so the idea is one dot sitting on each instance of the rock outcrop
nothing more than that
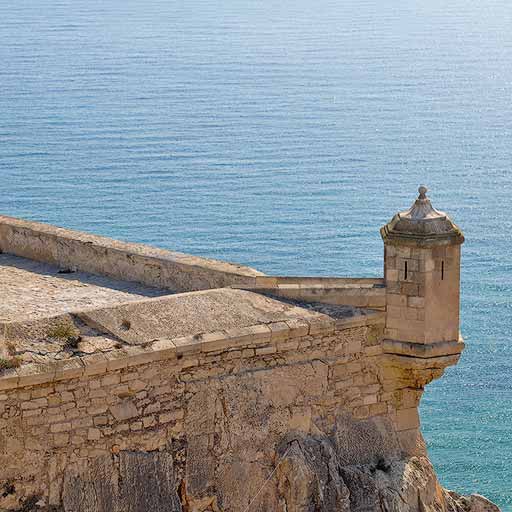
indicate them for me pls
(309, 477)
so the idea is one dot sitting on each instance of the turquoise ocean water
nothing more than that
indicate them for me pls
(282, 134)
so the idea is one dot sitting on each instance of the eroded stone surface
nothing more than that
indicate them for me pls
(32, 290)
(147, 482)
(309, 477)
(134, 482)
(192, 313)
(90, 485)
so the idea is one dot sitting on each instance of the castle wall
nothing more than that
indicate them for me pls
(357, 292)
(222, 400)
(120, 260)
(223, 409)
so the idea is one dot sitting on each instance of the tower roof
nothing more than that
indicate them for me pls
(422, 224)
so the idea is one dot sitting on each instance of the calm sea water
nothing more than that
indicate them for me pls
(282, 134)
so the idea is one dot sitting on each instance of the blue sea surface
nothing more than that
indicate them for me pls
(282, 135)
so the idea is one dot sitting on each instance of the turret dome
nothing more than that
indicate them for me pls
(422, 224)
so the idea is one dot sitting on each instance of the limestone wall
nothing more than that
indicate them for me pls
(220, 409)
(423, 287)
(120, 260)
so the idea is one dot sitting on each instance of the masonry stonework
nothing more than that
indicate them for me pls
(273, 394)
(422, 274)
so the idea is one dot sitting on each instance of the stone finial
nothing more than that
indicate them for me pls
(422, 208)
(423, 192)
(422, 224)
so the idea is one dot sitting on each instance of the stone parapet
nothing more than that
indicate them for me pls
(357, 292)
(421, 350)
(99, 255)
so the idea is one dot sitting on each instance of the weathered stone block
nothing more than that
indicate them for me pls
(147, 483)
(410, 289)
(124, 411)
(93, 434)
(396, 299)
(60, 427)
(90, 485)
(266, 350)
(416, 302)
(407, 419)
(279, 331)
(94, 364)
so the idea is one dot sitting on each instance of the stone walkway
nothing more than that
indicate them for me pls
(33, 290)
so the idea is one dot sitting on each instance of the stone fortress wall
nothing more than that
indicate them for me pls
(230, 391)
(120, 260)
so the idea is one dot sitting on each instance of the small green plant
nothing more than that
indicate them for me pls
(66, 331)
(9, 363)
(63, 331)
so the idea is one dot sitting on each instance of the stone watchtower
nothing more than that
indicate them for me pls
(422, 275)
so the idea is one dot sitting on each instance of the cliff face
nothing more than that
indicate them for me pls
(310, 477)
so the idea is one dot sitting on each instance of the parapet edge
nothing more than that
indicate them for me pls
(360, 292)
(105, 256)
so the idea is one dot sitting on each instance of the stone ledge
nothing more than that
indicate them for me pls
(418, 363)
(259, 337)
(319, 282)
(423, 351)
(357, 292)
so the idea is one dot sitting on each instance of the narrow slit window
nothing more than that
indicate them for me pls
(442, 270)
(405, 271)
